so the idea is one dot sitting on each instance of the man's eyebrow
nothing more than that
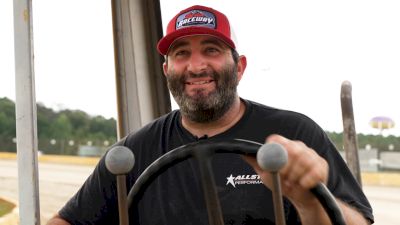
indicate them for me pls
(215, 42)
(182, 43)
(178, 44)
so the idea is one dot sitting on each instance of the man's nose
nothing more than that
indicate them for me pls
(197, 63)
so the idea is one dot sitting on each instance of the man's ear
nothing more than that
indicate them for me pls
(165, 68)
(241, 66)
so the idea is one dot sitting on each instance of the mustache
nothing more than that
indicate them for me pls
(188, 75)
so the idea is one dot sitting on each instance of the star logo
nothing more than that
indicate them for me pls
(231, 180)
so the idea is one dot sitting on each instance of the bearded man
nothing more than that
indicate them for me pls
(203, 70)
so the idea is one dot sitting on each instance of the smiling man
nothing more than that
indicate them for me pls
(202, 76)
(203, 70)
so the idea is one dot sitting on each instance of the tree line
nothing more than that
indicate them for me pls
(64, 131)
(59, 132)
(382, 143)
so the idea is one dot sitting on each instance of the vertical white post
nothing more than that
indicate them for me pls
(142, 93)
(26, 124)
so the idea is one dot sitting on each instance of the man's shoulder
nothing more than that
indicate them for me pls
(155, 127)
(262, 109)
(283, 121)
(163, 120)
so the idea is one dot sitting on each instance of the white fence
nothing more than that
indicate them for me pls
(372, 160)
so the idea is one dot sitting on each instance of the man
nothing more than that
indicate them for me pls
(203, 70)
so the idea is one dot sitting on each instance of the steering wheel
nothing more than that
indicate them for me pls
(203, 151)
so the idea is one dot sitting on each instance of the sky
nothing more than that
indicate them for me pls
(298, 54)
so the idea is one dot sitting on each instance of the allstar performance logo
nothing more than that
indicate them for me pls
(243, 179)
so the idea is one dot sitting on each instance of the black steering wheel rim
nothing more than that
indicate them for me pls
(210, 147)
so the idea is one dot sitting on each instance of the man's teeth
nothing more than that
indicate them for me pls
(199, 82)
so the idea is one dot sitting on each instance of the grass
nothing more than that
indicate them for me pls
(5, 207)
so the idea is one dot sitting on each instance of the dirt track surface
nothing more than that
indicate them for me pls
(58, 182)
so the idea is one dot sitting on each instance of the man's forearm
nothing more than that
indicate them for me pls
(309, 215)
(351, 215)
(57, 220)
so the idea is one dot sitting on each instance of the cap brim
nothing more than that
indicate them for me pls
(165, 42)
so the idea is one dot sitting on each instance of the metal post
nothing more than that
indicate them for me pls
(277, 198)
(26, 124)
(142, 93)
(122, 201)
(349, 131)
(209, 187)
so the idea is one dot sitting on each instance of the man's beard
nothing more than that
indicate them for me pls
(205, 107)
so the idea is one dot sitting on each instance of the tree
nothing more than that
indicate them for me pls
(66, 129)
(7, 125)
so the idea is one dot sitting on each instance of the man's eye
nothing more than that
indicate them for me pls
(212, 50)
(181, 53)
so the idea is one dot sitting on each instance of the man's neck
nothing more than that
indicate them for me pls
(228, 120)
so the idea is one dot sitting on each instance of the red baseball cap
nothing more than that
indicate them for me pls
(196, 20)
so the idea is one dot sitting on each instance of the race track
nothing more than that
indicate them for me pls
(58, 182)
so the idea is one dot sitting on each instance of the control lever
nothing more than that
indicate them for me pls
(272, 157)
(119, 161)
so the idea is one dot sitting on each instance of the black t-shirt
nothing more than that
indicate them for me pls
(176, 196)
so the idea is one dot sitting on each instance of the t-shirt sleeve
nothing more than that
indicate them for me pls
(344, 186)
(341, 181)
(95, 202)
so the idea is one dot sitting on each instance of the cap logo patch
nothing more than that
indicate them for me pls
(196, 18)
